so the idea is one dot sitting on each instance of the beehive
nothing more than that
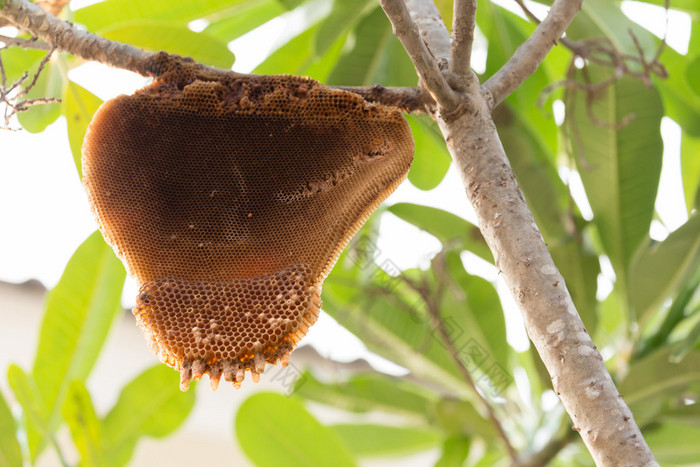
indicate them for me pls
(229, 198)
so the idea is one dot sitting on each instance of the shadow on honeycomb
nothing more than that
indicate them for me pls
(229, 199)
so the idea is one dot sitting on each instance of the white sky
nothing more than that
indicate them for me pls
(45, 216)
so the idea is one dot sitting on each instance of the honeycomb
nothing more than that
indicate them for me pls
(229, 198)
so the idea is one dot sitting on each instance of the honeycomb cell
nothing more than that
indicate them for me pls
(229, 198)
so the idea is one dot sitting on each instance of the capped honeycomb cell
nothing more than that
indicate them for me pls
(229, 198)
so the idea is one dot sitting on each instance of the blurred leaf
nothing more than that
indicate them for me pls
(84, 425)
(676, 313)
(603, 18)
(243, 17)
(391, 321)
(35, 413)
(506, 32)
(381, 440)
(620, 168)
(675, 444)
(48, 85)
(472, 307)
(692, 72)
(452, 230)
(17, 60)
(688, 5)
(342, 17)
(431, 159)
(176, 39)
(683, 414)
(681, 103)
(266, 420)
(459, 418)
(298, 57)
(376, 57)
(454, 452)
(662, 267)
(10, 452)
(690, 342)
(656, 379)
(78, 107)
(150, 405)
(113, 12)
(368, 392)
(78, 314)
(690, 170)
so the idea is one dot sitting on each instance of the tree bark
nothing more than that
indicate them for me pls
(578, 373)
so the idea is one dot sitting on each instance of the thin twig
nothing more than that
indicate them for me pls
(426, 65)
(530, 54)
(462, 36)
(25, 43)
(433, 307)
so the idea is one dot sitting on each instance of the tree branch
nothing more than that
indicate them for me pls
(462, 36)
(432, 28)
(65, 37)
(25, 43)
(578, 373)
(530, 54)
(423, 60)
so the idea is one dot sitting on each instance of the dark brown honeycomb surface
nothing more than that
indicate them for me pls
(229, 199)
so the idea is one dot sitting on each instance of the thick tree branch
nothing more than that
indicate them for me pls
(423, 60)
(578, 373)
(462, 36)
(65, 37)
(432, 28)
(530, 54)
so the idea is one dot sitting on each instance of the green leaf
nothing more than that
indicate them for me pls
(35, 413)
(473, 307)
(17, 60)
(243, 17)
(454, 452)
(368, 392)
(10, 452)
(459, 418)
(660, 268)
(84, 425)
(78, 107)
(381, 440)
(298, 57)
(78, 314)
(681, 103)
(274, 430)
(48, 85)
(342, 17)
(156, 35)
(675, 444)
(690, 170)
(506, 32)
(452, 231)
(620, 168)
(603, 18)
(692, 72)
(655, 380)
(391, 322)
(151, 405)
(376, 57)
(113, 12)
(431, 159)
